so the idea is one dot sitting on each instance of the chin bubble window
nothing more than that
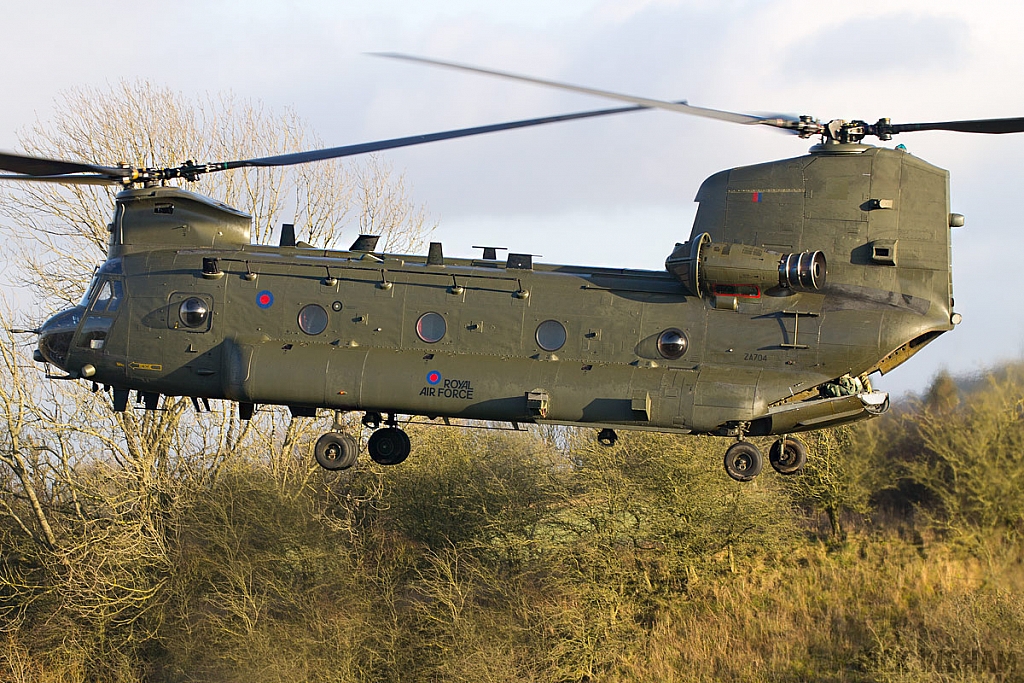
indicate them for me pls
(550, 335)
(672, 343)
(431, 327)
(313, 319)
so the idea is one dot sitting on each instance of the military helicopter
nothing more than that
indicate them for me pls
(800, 278)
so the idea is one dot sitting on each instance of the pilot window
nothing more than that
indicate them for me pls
(108, 298)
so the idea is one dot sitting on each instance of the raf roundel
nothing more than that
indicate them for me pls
(265, 299)
(433, 378)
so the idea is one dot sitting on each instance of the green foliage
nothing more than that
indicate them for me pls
(956, 459)
(834, 479)
(480, 488)
(973, 461)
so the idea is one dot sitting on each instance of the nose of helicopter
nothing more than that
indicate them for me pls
(55, 336)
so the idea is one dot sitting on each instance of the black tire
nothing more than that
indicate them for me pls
(389, 446)
(336, 451)
(743, 461)
(607, 437)
(788, 455)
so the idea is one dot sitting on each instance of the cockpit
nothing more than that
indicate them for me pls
(92, 318)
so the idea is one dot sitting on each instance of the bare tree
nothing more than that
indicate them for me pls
(61, 232)
(88, 496)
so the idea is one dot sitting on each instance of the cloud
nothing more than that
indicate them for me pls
(903, 43)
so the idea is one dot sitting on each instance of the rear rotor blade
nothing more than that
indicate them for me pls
(996, 126)
(718, 114)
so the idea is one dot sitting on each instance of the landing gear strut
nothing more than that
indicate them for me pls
(743, 461)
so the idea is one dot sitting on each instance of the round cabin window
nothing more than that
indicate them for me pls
(193, 312)
(672, 343)
(313, 319)
(550, 335)
(431, 327)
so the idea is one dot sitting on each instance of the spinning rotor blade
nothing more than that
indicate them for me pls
(367, 147)
(804, 126)
(65, 179)
(681, 107)
(1013, 125)
(51, 170)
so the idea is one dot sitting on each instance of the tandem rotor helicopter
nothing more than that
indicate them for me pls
(800, 278)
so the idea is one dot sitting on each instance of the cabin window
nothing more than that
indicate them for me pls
(431, 327)
(672, 343)
(742, 291)
(550, 335)
(313, 319)
(193, 312)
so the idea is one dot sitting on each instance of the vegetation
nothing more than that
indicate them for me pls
(169, 546)
(531, 556)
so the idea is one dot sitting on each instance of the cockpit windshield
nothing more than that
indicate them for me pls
(92, 288)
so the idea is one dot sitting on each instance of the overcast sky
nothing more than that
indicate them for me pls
(611, 192)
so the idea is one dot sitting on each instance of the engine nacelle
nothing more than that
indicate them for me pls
(705, 267)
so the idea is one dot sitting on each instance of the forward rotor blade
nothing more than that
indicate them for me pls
(367, 147)
(65, 179)
(996, 126)
(704, 112)
(39, 166)
(50, 170)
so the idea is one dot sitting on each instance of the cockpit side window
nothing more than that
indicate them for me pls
(109, 296)
(108, 268)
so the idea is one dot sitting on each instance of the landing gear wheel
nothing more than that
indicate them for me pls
(335, 451)
(743, 461)
(607, 437)
(389, 446)
(788, 455)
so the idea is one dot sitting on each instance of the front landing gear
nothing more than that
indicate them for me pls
(336, 451)
(743, 461)
(389, 446)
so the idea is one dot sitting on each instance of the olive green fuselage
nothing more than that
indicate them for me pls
(754, 354)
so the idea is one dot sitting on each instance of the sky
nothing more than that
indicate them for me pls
(616, 191)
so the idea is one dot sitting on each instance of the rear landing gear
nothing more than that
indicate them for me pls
(788, 455)
(743, 461)
(607, 437)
